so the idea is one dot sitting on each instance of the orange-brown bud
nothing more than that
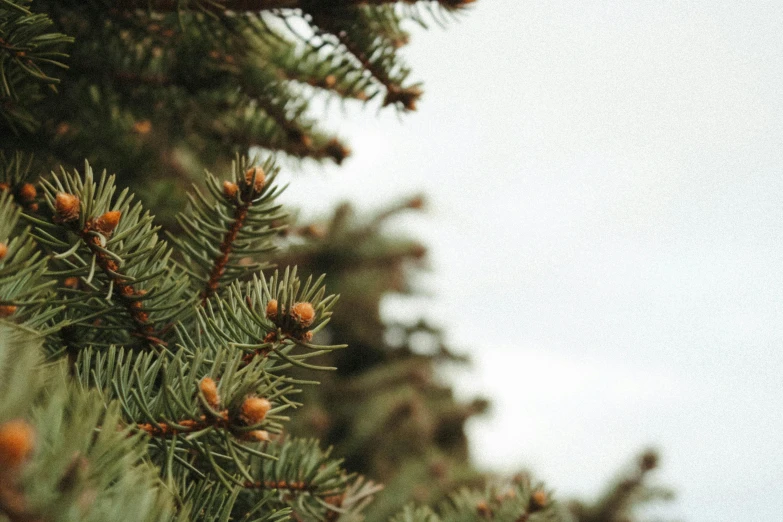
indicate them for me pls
(303, 313)
(27, 192)
(3, 250)
(66, 206)
(538, 500)
(330, 81)
(314, 230)
(230, 189)
(17, 439)
(71, 282)
(62, 128)
(107, 222)
(418, 251)
(416, 203)
(306, 141)
(7, 310)
(307, 337)
(648, 461)
(210, 391)
(254, 409)
(256, 178)
(259, 435)
(142, 127)
(337, 151)
(271, 309)
(407, 97)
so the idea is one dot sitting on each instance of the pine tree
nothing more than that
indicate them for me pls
(153, 378)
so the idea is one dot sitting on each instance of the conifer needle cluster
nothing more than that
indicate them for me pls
(159, 370)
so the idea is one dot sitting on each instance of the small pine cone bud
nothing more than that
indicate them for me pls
(271, 309)
(7, 310)
(416, 203)
(538, 500)
(142, 127)
(259, 435)
(66, 207)
(17, 439)
(256, 178)
(330, 81)
(71, 282)
(307, 337)
(3, 251)
(314, 230)
(648, 461)
(210, 391)
(418, 251)
(254, 409)
(337, 151)
(27, 192)
(303, 314)
(230, 189)
(107, 222)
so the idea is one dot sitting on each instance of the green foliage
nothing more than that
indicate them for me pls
(205, 401)
(155, 87)
(136, 332)
(174, 368)
(245, 217)
(513, 502)
(25, 291)
(31, 56)
(73, 470)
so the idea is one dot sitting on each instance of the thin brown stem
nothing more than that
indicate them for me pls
(219, 267)
(123, 291)
(163, 429)
(280, 484)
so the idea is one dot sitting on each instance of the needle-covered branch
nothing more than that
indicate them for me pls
(118, 271)
(62, 454)
(224, 228)
(262, 5)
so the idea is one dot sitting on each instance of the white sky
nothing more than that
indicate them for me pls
(605, 232)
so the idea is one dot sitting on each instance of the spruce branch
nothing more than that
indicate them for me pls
(275, 319)
(25, 292)
(111, 249)
(376, 54)
(232, 221)
(264, 5)
(515, 501)
(61, 454)
(630, 488)
(30, 53)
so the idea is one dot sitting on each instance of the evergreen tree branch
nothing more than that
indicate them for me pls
(232, 220)
(376, 55)
(265, 5)
(112, 255)
(61, 455)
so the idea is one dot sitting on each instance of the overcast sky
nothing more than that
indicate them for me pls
(606, 234)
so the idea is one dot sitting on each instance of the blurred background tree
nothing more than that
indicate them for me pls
(157, 90)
